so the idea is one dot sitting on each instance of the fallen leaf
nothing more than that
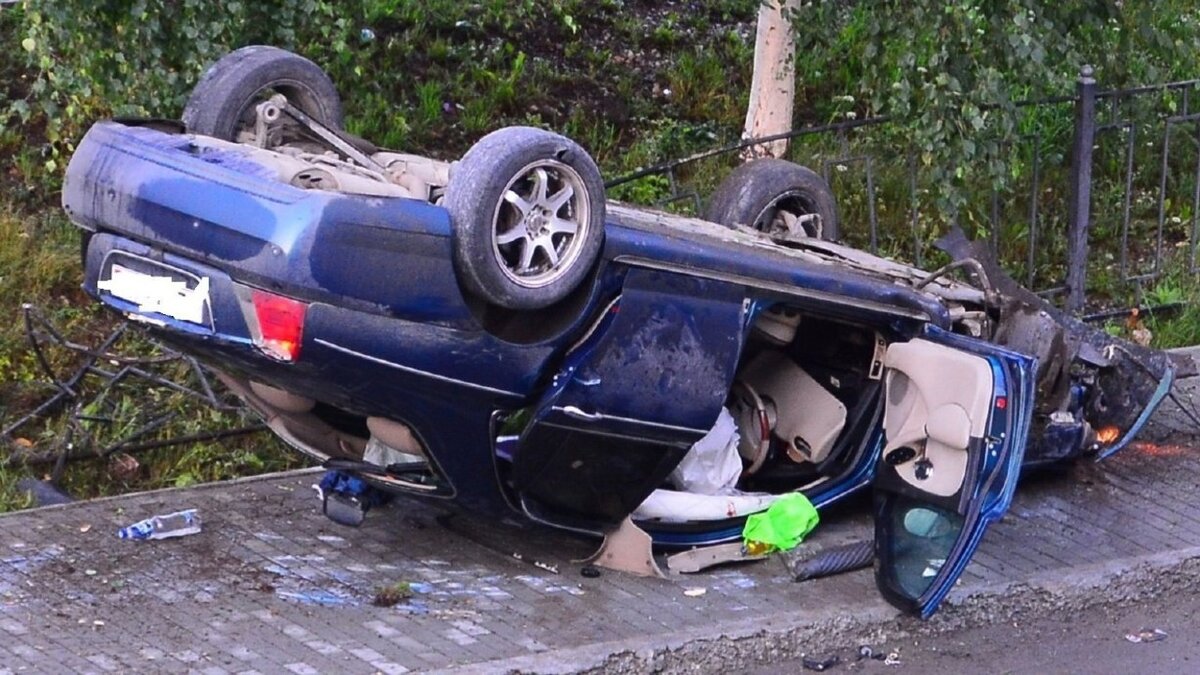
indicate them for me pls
(22, 442)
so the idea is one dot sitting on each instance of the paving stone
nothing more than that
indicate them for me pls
(271, 586)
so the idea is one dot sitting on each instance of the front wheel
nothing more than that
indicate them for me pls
(778, 198)
(223, 102)
(527, 211)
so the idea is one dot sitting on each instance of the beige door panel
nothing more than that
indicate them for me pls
(938, 398)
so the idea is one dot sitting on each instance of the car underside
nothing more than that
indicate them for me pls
(492, 332)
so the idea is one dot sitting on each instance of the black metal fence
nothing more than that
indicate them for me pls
(1099, 206)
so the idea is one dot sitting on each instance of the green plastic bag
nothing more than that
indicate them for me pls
(782, 526)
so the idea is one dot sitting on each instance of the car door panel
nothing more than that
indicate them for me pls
(956, 417)
(630, 400)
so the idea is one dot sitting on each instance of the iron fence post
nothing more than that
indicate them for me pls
(1080, 206)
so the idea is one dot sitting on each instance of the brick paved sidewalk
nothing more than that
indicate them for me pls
(270, 585)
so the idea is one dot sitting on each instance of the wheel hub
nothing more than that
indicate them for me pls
(537, 222)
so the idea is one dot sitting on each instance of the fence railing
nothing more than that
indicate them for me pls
(1103, 190)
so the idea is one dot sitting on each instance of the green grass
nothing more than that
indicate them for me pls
(39, 263)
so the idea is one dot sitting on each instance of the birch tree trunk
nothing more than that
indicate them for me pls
(773, 88)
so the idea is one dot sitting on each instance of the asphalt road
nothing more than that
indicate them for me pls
(1090, 641)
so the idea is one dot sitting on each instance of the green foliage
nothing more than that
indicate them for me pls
(1176, 292)
(141, 57)
(39, 262)
(951, 72)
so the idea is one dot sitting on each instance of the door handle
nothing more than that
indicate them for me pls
(579, 413)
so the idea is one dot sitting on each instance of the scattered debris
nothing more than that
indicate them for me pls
(865, 652)
(178, 524)
(43, 492)
(627, 549)
(85, 528)
(698, 559)
(124, 466)
(821, 663)
(1155, 635)
(390, 596)
(694, 592)
(84, 393)
(836, 560)
(590, 571)
(553, 569)
(346, 498)
(893, 659)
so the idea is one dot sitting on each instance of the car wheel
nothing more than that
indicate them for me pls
(778, 198)
(223, 102)
(527, 211)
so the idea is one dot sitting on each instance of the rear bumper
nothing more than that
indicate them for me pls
(212, 204)
(349, 359)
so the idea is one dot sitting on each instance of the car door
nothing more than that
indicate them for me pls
(646, 383)
(956, 418)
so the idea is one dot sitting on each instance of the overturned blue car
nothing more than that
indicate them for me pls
(493, 332)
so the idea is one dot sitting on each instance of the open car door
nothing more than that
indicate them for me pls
(956, 420)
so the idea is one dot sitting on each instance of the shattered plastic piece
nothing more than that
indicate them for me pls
(865, 652)
(1155, 635)
(820, 664)
(694, 592)
(893, 659)
(784, 525)
(627, 549)
(846, 558)
(590, 571)
(178, 524)
(702, 558)
(553, 569)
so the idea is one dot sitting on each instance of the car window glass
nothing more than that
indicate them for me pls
(923, 536)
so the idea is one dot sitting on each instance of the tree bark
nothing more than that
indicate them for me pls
(773, 88)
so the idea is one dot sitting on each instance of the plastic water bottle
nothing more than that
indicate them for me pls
(178, 524)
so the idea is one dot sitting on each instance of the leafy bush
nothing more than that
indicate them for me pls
(141, 57)
(951, 71)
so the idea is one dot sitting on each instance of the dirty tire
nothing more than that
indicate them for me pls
(227, 91)
(527, 211)
(762, 193)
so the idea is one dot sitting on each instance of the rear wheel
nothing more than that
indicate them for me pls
(527, 210)
(777, 198)
(223, 102)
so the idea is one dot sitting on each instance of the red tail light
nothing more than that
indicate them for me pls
(281, 321)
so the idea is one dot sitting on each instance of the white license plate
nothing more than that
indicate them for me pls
(160, 294)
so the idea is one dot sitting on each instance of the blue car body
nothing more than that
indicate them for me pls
(572, 414)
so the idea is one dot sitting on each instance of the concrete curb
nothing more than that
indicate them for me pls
(217, 485)
(784, 636)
